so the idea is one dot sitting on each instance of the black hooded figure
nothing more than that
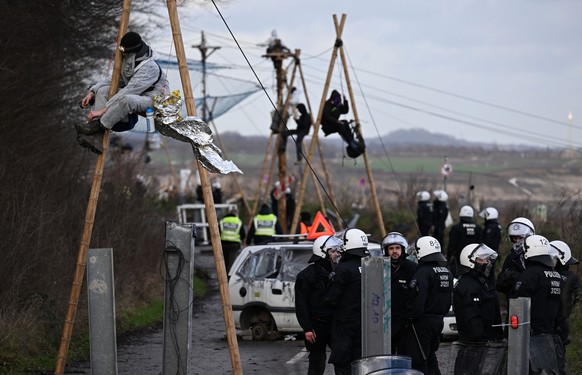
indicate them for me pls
(303, 128)
(333, 108)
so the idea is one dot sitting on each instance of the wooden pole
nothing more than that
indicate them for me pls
(323, 163)
(358, 127)
(339, 30)
(207, 193)
(260, 187)
(91, 210)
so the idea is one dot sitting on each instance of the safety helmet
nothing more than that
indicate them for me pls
(469, 255)
(427, 249)
(466, 211)
(564, 254)
(394, 238)
(423, 196)
(441, 195)
(537, 248)
(520, 227)
(489, 213)
(355, 242)
(322, 245)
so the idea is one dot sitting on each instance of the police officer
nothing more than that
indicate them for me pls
(429, 300)
(465, 232)
(514, 262)
(475, 300)
(440, 214)
(394, 246)
(424, 212)
(345, 296)
(540, 282)
(232, 233)
(491, 234)
(265, 225)
(310, 287)
(571, 285)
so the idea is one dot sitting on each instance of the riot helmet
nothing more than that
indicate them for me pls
(537, 248)
(423, 196)
(479, 257)
(489, 213)
(441, 195)
(355, 242)
(519, 228)
(427, 249)
(466, 211)
(394, 238)
(564, 254)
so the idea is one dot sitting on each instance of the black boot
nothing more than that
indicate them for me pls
(89, 128)
(93, 142)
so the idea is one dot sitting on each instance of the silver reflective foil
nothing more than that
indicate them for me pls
(193, 130)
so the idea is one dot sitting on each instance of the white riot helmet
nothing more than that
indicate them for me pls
(489, 213)
(355, 242)
(427, 249)
(564, 254)
(441, 195)
(423, 196)
(394, 238)
(322, 245)
(479, 257)
(537, 248)
(520, 227)
(466, 211)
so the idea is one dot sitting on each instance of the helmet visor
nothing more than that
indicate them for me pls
(332, 243)
(483, 252)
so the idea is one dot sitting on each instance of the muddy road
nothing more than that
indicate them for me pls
(142, 353)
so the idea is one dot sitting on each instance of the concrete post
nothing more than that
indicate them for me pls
(518, 336)
(376, 307)
(101, 298)
(178, 272)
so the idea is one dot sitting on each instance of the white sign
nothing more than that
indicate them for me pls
(446, 169)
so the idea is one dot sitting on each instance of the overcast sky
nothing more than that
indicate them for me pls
(494, 71)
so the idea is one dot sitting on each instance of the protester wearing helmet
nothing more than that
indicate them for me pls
(571, 287)
(424, 213)
(345, 296)
(465, 232)
(514, 262)
(310, 287)
(543, 285)
(430, 291)
(475, 300)
(440, 214)
(394, 246)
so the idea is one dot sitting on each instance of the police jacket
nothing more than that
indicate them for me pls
(570, 291)
(424, 214)
(440, 213)
(431, 291)
(544, 286)
(492, 234)
(476, 306)
(401, 276)
(310, 288)
(231, 229)
(345, 294)
(513, 265)
(462, 234)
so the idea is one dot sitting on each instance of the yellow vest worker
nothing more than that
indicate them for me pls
(232, 233)
(265, 225)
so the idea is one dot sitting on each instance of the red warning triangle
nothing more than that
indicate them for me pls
(320, 222)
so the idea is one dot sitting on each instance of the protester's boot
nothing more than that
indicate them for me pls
(89, 128)
(93, 142)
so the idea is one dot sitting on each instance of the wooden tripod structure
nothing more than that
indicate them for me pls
(96, 186)
(338, 47)
(282, 156)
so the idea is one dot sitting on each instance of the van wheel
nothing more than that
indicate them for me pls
(260, 331)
